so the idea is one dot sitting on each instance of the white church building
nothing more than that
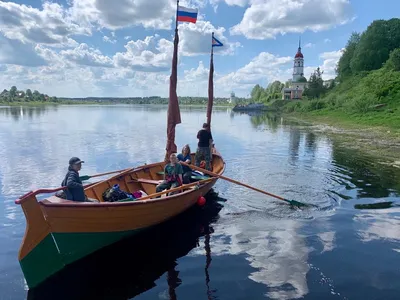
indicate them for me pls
(298, 83)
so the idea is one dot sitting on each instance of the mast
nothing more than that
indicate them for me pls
(211, 84)
(173, 115)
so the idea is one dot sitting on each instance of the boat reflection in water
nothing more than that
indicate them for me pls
(131, 267)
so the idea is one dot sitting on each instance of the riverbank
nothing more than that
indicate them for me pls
(382, 142)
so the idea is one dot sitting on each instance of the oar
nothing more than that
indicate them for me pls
(291, 202)
(87, 177)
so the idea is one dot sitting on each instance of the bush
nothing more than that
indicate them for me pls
(393, 63)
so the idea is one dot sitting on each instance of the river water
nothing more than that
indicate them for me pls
(243, 245)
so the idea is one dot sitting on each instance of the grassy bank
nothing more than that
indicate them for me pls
(371, 99)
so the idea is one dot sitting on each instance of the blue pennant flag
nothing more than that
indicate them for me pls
(216, 43)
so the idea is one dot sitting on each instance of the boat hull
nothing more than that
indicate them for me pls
(59, 233)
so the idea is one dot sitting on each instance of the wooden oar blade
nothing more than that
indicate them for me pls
(84, 177)
(379, 205)
(299, 204)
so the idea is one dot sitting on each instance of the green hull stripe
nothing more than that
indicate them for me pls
(49, 257)
(43, 261)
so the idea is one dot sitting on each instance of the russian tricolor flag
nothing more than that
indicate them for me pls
(187, 14)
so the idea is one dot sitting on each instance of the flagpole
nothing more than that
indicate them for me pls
(176, 17)
(174, 116)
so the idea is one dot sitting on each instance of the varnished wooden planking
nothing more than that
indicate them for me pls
(69, 216)
(110, 219)
(36, 227)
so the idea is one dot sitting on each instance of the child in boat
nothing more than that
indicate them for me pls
(185, 157)
(74, 190)
(204, 146)
(172, 174)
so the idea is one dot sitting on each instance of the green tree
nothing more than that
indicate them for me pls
(343, 68)
(273, 91)
(29, 94)
(316, 86)
(13, 92)
(36, 95)
(256, 93)
(376, 43)
(393, 63)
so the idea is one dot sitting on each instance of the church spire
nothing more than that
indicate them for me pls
(299, 43)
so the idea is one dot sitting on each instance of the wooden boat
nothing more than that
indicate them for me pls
(132, 266)
(59, 231)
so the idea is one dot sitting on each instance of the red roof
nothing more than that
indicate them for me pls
(299, 54)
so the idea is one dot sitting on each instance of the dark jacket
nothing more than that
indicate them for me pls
(74, 186)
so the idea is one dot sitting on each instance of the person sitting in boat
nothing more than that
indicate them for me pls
(74, 190)
(172, 175)
(185, 157)
(204, 146)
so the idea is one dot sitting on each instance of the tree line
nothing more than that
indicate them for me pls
(15, 95)
(376, 47)
(18, 96)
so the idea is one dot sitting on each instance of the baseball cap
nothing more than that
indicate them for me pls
(75, 160)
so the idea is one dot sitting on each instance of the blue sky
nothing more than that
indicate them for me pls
(80, 48)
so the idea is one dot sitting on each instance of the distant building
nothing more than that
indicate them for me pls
(298, 83)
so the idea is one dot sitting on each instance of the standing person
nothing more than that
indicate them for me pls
(204, 146)
(172, 175)
(185, 157)
(74, 190)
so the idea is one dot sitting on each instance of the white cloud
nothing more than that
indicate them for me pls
(309, 45)
(38, 50)
(51, 25)
(266, 19)
(241, 3)
(109, 40)
(264, 68)
(330, 60)
(196, 39)
(197, 74)
(327, 41)
(152, 54)
(105, 13)
(84, 55)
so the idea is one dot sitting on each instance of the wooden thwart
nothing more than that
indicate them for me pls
(179, 188)
(143, 180)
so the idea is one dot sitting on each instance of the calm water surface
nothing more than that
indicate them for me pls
(246, 245)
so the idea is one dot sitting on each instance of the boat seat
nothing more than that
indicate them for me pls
(148, 181)
(55, 199)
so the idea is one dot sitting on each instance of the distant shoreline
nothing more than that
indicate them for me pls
(75, 102)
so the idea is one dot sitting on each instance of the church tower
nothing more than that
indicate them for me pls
(298, 67)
